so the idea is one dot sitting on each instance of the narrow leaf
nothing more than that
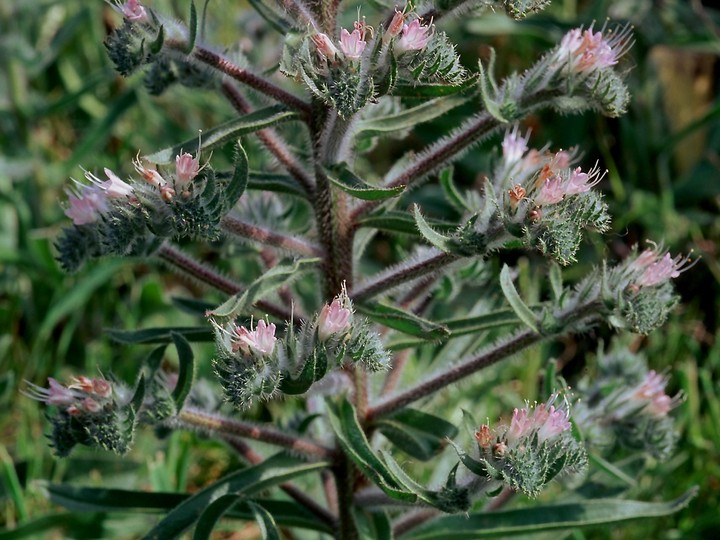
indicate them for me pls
(409, 118)
(192, 28)
(157, 44)
(255, 121)
(556, 283)
(418, 434)
(443, 243)
(273, 471)
(186, 373)
(524, 313)
(160, 335)
(536, 519)
(212, 514)
(403, 321)
(273, 18)
(401, 222)
(276, 277)
(487, 85)
(239, 180)
(451, 192)
(278, 183)
(265, 521)
(433, 90)
(350, 183)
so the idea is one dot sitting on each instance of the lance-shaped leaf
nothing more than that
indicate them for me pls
(403, 321)
(255, 121)
(272, 16)
(239, 180)
(273, 471)
(440, 241)
(314, 369)
(451, 192)
(409, 118)
(524, 313)
(92, 499)
(352, 439)
(266, 523)
(272, 279)
(213, 513)
(402, 222)
(535, 519)
(433, 90)
(418, 434)
(277, 183)
(350, 183)
(160, 335)
(489, 89)
(372, 525)
(192, 28)
(186, 373)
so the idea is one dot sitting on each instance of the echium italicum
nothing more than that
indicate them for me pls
(329, 356)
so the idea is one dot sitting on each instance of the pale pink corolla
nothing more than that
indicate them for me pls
(352, 44)
(653, 268)
(396, 25)
(514, 145)
(550, 422)
(187, 168)
(133, 11)
(260, 341)
(587, 51)
(334, 318)
(651, 392)
(520, 426)
(90, 405)
(551, 192)
(325, 46)
(55, 394)
(101, 388)
(86, 205)
(415, 37)
(581, 182)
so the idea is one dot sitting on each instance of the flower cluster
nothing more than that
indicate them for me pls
(88, 202)
(334, 318)
(585, 51)
(260, 341)
(654, 267)
(82, 395)
(532, 450)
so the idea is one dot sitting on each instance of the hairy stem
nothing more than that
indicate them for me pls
(516, 343)
(344, 482)
(270, 238)
(271, 140)
(413, 519)
(212, 278)
(402, 275)
(291, 489)
(256, 82)
(199, 419)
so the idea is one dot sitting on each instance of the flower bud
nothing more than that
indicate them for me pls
(187, 168)
(260, 341)
(325, 46)
(333, 319)
(415, 37)
(133, 11)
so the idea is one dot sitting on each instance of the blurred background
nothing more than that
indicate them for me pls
(63, 108)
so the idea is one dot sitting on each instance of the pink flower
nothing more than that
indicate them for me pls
(415, 37)
(651, 393)
(520, 426)
(550, 422)
(325, 46)
(154, 178)
(588, 51)
(133, 11)
(86, 205)
(56, 394)
(90, 405)
(101, 388)
(396, 25)
(333, 319)
(260, 341)
(187, 168)
(552, 191)
(352, 44)
(653, 268)
(514, 145)
(580, 182)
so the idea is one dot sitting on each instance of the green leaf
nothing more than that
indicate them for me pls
(265, 522)
(272, 279)
(277, 183)
(418, 434)
(536, 519)
(473, 465)
(186, 373)
(315, 367)
(71, 525)
(160, 335)
(255, 121)
(372, 525)
(274, 470)
(409, 118)
(192, 28)
(352, 439)
(139, 394)
(401, 222)
(433, 90)
(524, 313)
(91, 499)
(451, 192)
(556, 282)
(346, 180)
(273, 18)
(239, 180)
(488, 87)
(463, 327)
(443, 243)
(403, 321)
(159, 41)
(212, 514)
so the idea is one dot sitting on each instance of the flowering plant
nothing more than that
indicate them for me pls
(335, 355)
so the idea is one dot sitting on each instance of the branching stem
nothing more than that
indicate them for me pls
(199, 419)
(268, 237)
